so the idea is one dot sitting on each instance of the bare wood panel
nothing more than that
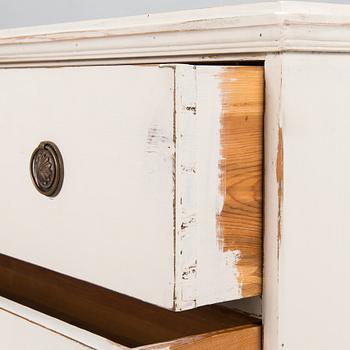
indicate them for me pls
(242, 338)
(241, 219)
(117, 317)
(238, 338)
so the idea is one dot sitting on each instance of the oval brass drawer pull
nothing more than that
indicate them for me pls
(46, 169)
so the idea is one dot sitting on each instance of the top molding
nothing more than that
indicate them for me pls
(240, 29)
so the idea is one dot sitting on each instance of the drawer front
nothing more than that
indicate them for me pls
(25, 329)
(161, 189)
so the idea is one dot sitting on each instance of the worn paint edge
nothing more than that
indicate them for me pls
(273, 199)
(279, 177)
(205, 274)
(186, 200)
(225, 272)
(233, 75)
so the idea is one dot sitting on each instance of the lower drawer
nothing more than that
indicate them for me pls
(24, 328)
(72, 314)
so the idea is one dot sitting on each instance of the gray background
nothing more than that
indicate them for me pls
(21, 13)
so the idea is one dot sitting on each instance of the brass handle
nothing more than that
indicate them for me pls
(46, 169)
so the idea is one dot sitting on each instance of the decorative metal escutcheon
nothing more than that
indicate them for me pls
(46, 169)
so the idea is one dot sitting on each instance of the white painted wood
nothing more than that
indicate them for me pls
(112, 223)
(205, 274)
(306, 279)
(263, 27)
(315, 241)
(138, 209)
(272, 203)
(26, 329)
(306, 275)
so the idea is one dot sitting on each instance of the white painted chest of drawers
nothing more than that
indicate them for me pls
(137, 108)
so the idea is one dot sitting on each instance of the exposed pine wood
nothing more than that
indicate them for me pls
(238, 338)
(242, 171)
(115, 316)
(219, 161)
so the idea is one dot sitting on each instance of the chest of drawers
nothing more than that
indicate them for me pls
(169, 162)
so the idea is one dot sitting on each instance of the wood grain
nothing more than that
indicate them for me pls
(241, 220)
(117, 317)
(239, 338)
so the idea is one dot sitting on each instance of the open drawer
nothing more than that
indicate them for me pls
(24, 328)
(83, 313)
(149, 178)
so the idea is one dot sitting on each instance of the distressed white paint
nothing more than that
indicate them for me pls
(204, 273)
(112, 223)
(272, 123)
(306, 275)
(314, 277)
(23, 328)
(217, 273)
(306, 282)
(263, 27)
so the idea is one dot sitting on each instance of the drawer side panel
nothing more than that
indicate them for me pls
(219, 168)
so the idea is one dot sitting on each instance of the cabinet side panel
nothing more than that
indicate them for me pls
(314, 278)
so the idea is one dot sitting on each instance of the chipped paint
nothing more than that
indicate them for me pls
(279, 177)
(158, 141)
(204, 272)
(186, 174)
(193, 109)
(174, 187)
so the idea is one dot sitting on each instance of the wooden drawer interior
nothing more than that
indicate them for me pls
(124, 320)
